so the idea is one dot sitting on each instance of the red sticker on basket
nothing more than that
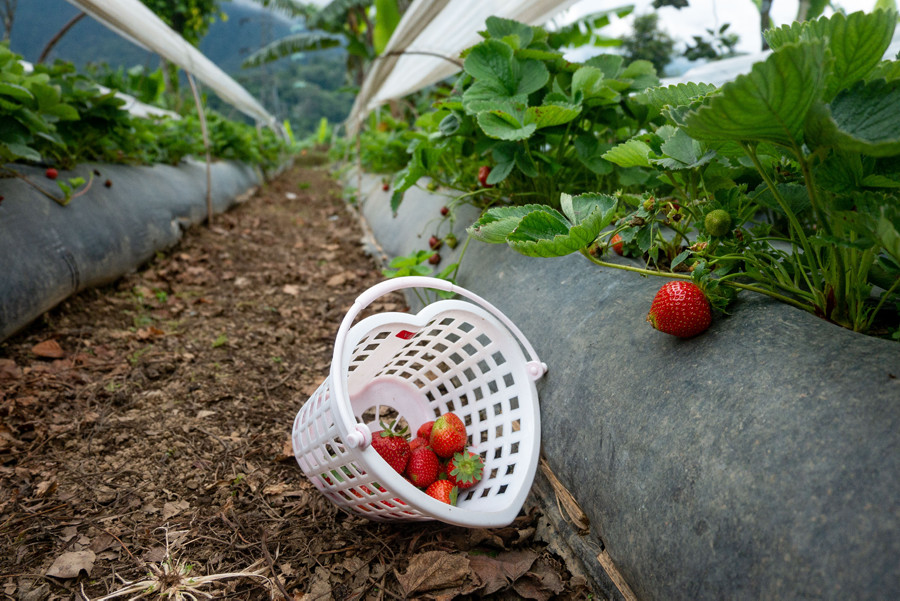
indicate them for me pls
(405, 334)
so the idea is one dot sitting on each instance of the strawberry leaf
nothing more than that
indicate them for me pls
(632, 153)
(497, 223)
(864, 118)
(855, 42)
(768, 104)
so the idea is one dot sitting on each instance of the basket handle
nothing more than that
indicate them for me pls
(360, 438)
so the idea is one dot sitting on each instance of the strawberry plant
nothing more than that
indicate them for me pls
(56, 115)
(782, 182)
(522, 116)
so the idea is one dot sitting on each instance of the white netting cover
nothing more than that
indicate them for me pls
(137, 23)
(429, 30)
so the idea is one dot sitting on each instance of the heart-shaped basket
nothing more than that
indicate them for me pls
(453, 355)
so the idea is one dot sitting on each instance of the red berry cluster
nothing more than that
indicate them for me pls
(436, 460)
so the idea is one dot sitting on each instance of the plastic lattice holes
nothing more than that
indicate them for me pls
(450, 360)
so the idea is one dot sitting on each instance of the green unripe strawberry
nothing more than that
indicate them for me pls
(718, 222)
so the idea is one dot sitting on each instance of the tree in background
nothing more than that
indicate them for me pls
(720, 44)
(188, 18)
(7, 13)
(363, 27)
(649, 42)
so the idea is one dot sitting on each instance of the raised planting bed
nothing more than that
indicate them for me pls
(49, 251)
(757, 460)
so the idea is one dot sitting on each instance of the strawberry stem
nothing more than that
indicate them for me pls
(678, 276)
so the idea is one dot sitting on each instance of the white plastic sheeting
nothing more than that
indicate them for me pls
(721, 72)
(425, 47)
(137, 23)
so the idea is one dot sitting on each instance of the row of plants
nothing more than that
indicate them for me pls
(783, 182)
(52, 115)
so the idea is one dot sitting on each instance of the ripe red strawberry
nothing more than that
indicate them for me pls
(680, 308)
(385, 186)
(446, 437)
(465, 470)
(392, 447)
(617, 244)
(445, 211)
(483, 172)
(417, 443)
(435, 258)
(434, 242)
(423, 467)
(443, 490)
(424, 430)
(455, 421)
(51, 173)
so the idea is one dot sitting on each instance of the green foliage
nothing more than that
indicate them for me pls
(586, 30)
(189, 18)
(58, 116)
(539, 122)
(783, 182)
(648, 42)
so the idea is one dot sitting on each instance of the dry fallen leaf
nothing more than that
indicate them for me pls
(48, 349)
(434, 570)
(291, 289)
(174, 508)
(9, 370)
(149, 332)
(70, 564)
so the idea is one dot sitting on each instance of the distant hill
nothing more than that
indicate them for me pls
(303, 89)
(226, 44)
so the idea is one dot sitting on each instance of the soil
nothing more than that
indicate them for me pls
(145, 432)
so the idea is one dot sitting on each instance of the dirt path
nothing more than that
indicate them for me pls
(144, 431)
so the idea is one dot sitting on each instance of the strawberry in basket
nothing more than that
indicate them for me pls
(392, 446)
(448, 436)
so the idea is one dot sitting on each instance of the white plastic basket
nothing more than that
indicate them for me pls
(451, 356)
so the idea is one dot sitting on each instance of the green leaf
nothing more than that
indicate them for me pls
(889, 70)
(856, 43)
(498, 27)
(880, 181)
(24, 152)
(532, 76)
(864, 118)
(497, 223)
(546, 233)
(549, 115)
(632, 153)
(504, 126)
(588, 81)
(492, 60)
(676, 95)
(887, 232)
(580, 208)
(298, 42)
(683, 152)
(64, 112)
(15, 91)
(795, 196)
(768, 104)
(590, 153)
(641, 74)
(525, 163)
(387, 16)
(483, 95)
(500, 172)
(680, 258)
(610, 64)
